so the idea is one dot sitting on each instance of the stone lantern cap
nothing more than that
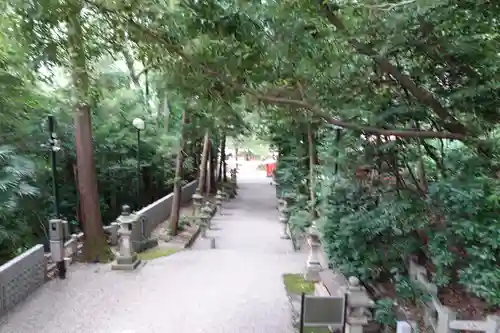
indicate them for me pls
(206, 209)
(358, 297)
(126, 217)
(205, 213)
(197, 196)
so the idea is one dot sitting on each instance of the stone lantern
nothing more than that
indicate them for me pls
(204, 220)
(127, 258)
(218, 201)
(225, 194)
(313, 265)
(197, 202)
(208, 211)
(359, 306)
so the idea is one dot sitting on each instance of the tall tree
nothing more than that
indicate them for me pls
(203, 164)
(95, 248)
(176, 201)
(222, 163)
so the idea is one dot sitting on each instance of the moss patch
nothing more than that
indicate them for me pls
(295, 284)
(157, 252)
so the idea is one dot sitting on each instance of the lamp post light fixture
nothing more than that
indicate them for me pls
(138, 123)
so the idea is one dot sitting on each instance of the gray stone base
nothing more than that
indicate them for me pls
(312, 272)
(126, 264)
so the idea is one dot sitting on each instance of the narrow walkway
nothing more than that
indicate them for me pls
(236, 288)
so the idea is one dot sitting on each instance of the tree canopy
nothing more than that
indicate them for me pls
(389, 109)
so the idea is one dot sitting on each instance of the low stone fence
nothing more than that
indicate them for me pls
(442, 319)
(24, 274)
(151, 216)
(20, 277)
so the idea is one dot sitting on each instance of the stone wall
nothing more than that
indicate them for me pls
(441, 319)
(158, 212)
(20, 277)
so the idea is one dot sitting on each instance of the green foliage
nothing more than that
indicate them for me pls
(471, 240)
(366, 220)
(384, 312)
(421, 65)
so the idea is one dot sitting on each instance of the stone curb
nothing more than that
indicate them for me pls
(193, 237)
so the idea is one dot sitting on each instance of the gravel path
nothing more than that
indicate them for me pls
(236, 288)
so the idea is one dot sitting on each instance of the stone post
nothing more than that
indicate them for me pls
(284, 222)
(74, 246)
(313, 265)
(207, 211)
(445, 315)
(493, 324)
(197, 202)
(358, 306)
(65, 225)
(204, 220)
(218, 201)
(281, 205)
(233, 175)
(127, 259)
(233, 181)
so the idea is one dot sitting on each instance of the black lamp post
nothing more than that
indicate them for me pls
(54, 146)
(139, 126)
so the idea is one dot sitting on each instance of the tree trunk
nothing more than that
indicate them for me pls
(176, 201)
(312, 163)
(224, 169)
(203, 164)
(222, 164)
(166, 112)
(236, 156)
(129, 60)
(95, 246)
(213, 169)
(208, 189)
